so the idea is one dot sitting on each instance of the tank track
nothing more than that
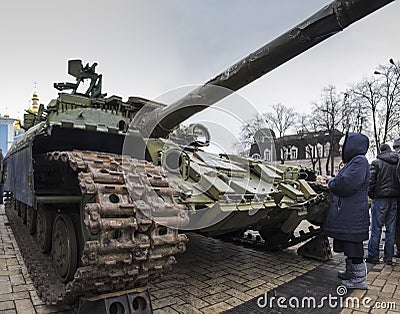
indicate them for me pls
(143, 249)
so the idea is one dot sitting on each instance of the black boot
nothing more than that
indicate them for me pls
(346, 274)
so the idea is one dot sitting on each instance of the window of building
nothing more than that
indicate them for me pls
(327, 147)
(309, 149)
(294, 152)
(285, 154)
(267, 154)
(319, 150)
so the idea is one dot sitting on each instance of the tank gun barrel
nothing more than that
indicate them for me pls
(326, 22)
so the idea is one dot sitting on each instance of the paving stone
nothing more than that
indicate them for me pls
(47, 309)
(238, 294)
(374, 288)
(3, 265)
(256, 292)
(186, 309)
(162, 293)
(360, 311)
(17, 279)
(23, 288)
(165, 310)
(6, 305)
(287, 278)
(17, 267)
(4, 278)
(9, 312)
(35, 298)
(24, 306)
(379, 282)
(194, 301)
(234, 301)
(269, 274)
(236, 278)
(390, 288)
(236, 286)
(196, 292)
(216, 298)
(216, 308)
(5, 287)
(12, 261)
(393, 280)
(358, 293)
(9, 272)
(215, 281)
(199, 284)
(164, 302)
(216, 289)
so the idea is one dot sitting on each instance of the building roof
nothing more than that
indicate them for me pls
(7, 120)
(319, 136)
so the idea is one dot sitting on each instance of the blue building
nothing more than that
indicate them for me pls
(6, 133)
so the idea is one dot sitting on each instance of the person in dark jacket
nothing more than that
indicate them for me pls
(384, 190)
(396, 147)
(348, 219)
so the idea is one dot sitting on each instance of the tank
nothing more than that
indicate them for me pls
(104, 189)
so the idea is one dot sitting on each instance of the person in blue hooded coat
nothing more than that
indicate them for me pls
(348, 219)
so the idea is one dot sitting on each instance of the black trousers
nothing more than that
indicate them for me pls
(349, 248)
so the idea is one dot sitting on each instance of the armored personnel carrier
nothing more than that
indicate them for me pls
(103, 186)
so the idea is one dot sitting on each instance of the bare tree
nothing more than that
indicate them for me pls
(305, 123)
(281, 118)
(328, 115)
(380, 94)
(367, 93)
(315, 157)
(389, 89)
(355, 114)
(247, 132)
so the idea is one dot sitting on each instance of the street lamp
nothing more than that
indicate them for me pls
(394, 64)
(391, 61)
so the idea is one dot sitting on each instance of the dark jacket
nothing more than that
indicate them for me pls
(384, 181)
(348, 217)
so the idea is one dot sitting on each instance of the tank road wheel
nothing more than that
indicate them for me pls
(43, 229)
(64, 249)
(31, 219)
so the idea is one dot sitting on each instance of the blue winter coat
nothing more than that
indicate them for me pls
(348, 217)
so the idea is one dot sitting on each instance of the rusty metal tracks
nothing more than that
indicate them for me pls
(125, 248)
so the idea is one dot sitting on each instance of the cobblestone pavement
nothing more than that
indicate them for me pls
(214, 276)
(17, 293)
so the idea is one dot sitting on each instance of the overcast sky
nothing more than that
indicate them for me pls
(145, 48)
